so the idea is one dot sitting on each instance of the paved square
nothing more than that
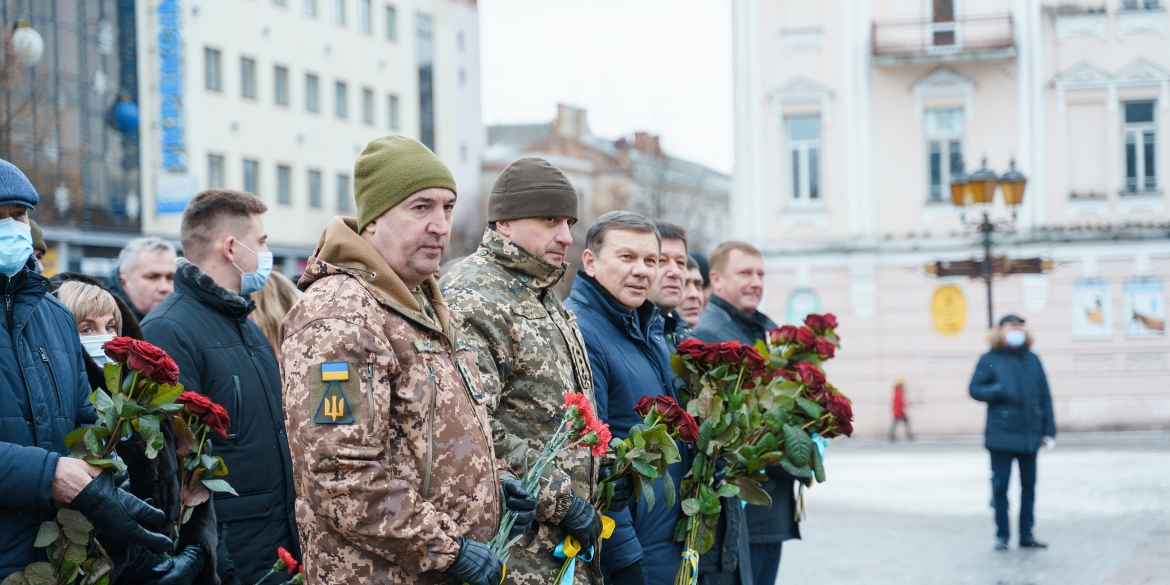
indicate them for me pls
(920, 513)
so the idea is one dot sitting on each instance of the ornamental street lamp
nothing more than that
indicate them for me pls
(977, 191)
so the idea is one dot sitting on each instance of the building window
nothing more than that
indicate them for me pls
(1141, 134)
(280, 2)
(462, 76)
(391, 23)
(339, 12)
(312, 93)
(213, 69)
(459, 40)
(247, 77)
(944, 149)
(283, 184)
(368, 106)
(392, 112)
(315, 189)
(343, 199)
(341, 99)
(215, 174)
(804, 145)
(943, 22)
(426, 87)
(252, 176)
(309, 7)
(463, 152)
(366, 16)
(1141, 4)
(280, 83)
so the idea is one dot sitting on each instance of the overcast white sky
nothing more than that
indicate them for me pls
(663, 66)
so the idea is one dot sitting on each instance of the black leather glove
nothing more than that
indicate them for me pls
(120, 514)
(720, 473)
(180, 569)
(522, 503)
(623, 488)
(476, 564)
(582, 521)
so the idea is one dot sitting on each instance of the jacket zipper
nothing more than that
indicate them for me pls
(486, 436)
(52, 378)
(426, 487)
(370, 397)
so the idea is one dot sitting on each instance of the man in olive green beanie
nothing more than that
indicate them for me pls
(391, 169)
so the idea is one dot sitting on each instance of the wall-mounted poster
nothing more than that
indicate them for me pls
(948, 309)
(1145, 309)
(1092, 310)
(802, 303)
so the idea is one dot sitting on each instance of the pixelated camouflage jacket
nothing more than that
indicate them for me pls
(530, 354)
(387, 497)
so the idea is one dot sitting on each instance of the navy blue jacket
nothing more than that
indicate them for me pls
(630, 359)
(44, 394)
(225, 356)
(722, 322)
(1019, 407)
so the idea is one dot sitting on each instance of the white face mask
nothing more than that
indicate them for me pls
(1015, 337)
(92, 344)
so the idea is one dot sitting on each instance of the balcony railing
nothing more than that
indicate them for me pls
(960, 39)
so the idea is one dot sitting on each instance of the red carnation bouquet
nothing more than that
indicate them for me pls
(285, 562)
(200, 470)
(579, 428)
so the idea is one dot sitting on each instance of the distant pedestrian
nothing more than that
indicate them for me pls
(693, 298)
(1010, 379)
(273, 301)
(900, 404)
(204, 326)
(145, 274)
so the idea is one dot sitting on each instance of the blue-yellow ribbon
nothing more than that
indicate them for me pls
(691, 558)
(570, 549)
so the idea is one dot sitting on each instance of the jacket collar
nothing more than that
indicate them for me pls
(757, 323)
(26, 289)
(195, 282)
(639, 323)
(514, 258)
(342, 251)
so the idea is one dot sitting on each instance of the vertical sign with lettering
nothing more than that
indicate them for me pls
(171, 194)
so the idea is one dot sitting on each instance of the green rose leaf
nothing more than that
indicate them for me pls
(812, 409)
(166, 394)
(222, 469)
(751, 492)
(81, 538)
(46, 534)
(101, 401)
(39, 574)
(647, 492)
(668, 490)
(705, 538)
(74, 553)
(644, 469)
(798, 445)
(802, 471)
(73, 520)
(219, 485)
(131, 410)
(16, 578)
(74, 437)
(728, 490)
(113, 374)
(818, 466)
(690, 506)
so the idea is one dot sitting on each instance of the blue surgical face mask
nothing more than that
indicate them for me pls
(15, 245)
(1015, 337)
(251, 282)
(92, 344)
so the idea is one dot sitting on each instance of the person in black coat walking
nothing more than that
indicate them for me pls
(204, 327)
(1010, 379)
(737, 283)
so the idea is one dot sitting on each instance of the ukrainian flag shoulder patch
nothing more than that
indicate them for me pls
(334, 371)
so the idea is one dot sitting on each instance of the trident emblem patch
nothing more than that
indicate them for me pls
(334, 408)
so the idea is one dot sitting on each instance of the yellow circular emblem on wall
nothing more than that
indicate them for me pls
(949, 310)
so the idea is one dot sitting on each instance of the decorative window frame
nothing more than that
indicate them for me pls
(1138, 74)
(943, 82)
(800, 89)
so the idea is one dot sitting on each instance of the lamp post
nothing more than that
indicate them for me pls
(977, 191)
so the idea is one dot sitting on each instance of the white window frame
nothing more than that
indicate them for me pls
(368, 105)
(280, 83)
(392, 111)
(344, 202)
(284, 185)
(391, 15)
(797, 157)
(212, 69)
(945, 138)
(309, 7)
(341, 99)
(366, 16)
(338, 10)
(1138, 131)
(251, 166)
(248, 78)
(315, 187)
(312, 92)
(216, 171)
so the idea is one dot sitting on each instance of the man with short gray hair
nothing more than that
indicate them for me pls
(145, 274)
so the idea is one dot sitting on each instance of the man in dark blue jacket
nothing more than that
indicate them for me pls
(629, 359)
(43, 396)
(204, 326)
(737, 287)
(1010, 379)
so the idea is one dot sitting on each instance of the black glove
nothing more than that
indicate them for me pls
(623, 488)
(582, 521)
(522, 503)
(120, 514)
(180, 569)
(476, 564)
(720, 473)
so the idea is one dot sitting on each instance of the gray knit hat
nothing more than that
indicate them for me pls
(532, 187)
(15, 188)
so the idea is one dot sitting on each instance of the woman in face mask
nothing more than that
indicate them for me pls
(96, 313)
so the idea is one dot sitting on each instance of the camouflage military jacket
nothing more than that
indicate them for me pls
(392, 456)
(530, 354)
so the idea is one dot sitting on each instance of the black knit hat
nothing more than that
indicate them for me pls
(532, 187)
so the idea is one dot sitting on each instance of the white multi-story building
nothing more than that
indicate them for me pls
(278, 98)
(851, 118)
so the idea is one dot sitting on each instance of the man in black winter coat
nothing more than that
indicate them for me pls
(1010, 379)
(204, 326)
(737, 285)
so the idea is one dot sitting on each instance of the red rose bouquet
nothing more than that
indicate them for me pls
(200, 469)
